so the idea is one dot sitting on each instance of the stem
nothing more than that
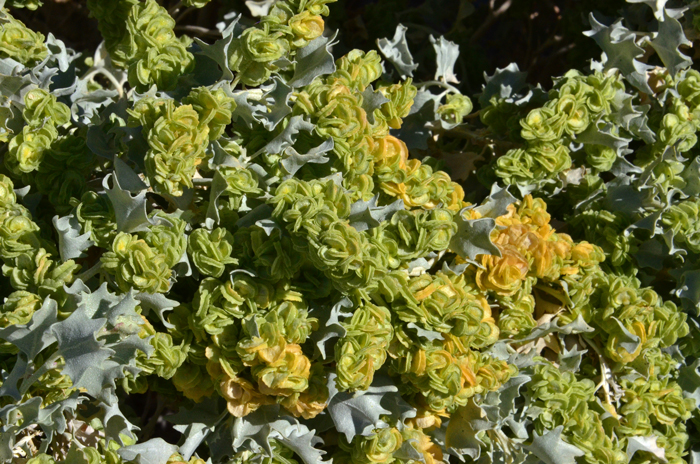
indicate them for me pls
(184, 13)
(198, 30)
(493, 14)
(90, 273)
(175, 8)
(150, 427)
(109, 76)
(47, 366)
(444, 85)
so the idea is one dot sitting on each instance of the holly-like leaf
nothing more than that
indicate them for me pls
(358, 413)
(366, 215)
(621, 51)
(628, 341)
(570, 360)
(258, 426)
(647, 445)
(505, 83)
(601, 134)
(71, 244)
(462, 429)
(293, 161)
(154, 451)
(277, 100)
(158, 303)
(496, 204)
(220, 51)
(427, 334)
(302, 441)
(542, 330)
(446, 54)
(330, 325)
(288, 136)
(658, 6)
(313, 60)
(689, 381)
(551, 449)
(689, 289)
(93, 359)
(372, 100)
(415, 129)
(33, 338)
(473, 237)
(130, 211)
(197, 423)
(248, 106)
(666, 43)
(78, 345)
(397, 52)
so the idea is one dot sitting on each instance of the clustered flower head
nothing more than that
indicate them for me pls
(266, 250)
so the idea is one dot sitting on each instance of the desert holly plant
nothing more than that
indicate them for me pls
(304, 257)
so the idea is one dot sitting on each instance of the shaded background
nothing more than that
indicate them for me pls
(541, 36)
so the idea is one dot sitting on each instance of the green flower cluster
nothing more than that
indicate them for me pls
(576, 104)
(176, 139)
(140, 38)
(263, 49)
(19, 42)
(42, 115)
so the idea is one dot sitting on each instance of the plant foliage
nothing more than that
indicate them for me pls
(292, 251)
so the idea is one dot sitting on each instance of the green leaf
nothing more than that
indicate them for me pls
(94, 357)
(293, 161)
(197, 423)
(33, 338)
(659, 7)
(415, 129)
(601, 134)
(154, 451)
(70, 243)
(647, 445)
(429, 335)
(570, 360)
(159, 303)
(633, 118)
(302, 441)
(372, 100)
(313, 60)
(689, 381)
(462, 429)
(447, 53)
(358, 413)
(397, 52)
(277, 99)
(496, 204)
(667, 41)
(629, 341)
(504, 83)
(366, 215)
(689, 288)
(691, 176)
(130, 211)
(78, 345)
(621, 51)
(219, 51)
(259, 426)
(542, 330)
(287, 137)
(551, 449)
(329, 323)
(249, 113)
(473, 237)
